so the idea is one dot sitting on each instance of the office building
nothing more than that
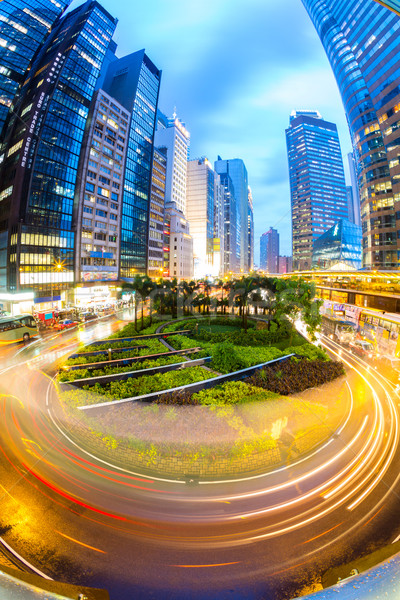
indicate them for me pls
(250, 233)
(134, 81)
(317, 184)
(41, 154)
(178, 244)
(361, 39)
(339, 248)
(237, 171)
(353, 194)
(155, 266)
(204, 202)
(24, 28)
(269, 251)
(173, 135)
(99, 209)
(231, 263)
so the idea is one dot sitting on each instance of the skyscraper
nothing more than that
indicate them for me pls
(317, 184)
(134, 81)
(361, 39)
(269, 251)
(230, 260)
(250, 233)
(237, 171)
(353, 192)
(155, 264)
(204, 202)
(100, 203)
(24, 27)
(41, 149)
(173, 135)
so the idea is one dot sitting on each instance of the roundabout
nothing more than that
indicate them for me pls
(79, 515)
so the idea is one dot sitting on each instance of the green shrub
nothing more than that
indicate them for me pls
(151, 383)
(225, 359)
(66, 376)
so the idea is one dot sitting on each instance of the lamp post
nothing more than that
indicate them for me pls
(57, 267)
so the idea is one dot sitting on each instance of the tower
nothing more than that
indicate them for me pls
(317, 184)
(361, 39)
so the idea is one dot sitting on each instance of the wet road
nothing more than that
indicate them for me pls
(83, 520)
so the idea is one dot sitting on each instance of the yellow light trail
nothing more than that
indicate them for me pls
(80, 543)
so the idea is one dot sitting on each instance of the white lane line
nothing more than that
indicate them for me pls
(396, 540)
(28, 564)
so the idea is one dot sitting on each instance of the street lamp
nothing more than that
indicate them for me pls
(57, 267)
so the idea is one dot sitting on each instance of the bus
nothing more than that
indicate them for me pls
(338, 329)
(382, 329)
(17, 329)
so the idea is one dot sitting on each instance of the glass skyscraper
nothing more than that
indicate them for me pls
(23, 28)
(237, 171)
(134, 81)
(41, 153)
(361, 39)
(317, 184)
(269, 251)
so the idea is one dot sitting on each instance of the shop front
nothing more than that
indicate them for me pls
(19, 303)
(95, 297)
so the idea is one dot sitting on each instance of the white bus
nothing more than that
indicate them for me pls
(17, 329)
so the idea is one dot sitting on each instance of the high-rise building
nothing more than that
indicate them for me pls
(250, 233)
(230, 259)
(269, 251)
(100, 206)
(173, 135)
(361, 39)
(134, 81)
(24, 28)
(41, 150)
(237, 171)
(354, 196)
(204, 202)
(317, 184)
(155, 267)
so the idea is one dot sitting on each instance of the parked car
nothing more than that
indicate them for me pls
(65, 324)
(363, 349)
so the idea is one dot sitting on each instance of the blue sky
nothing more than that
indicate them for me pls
(235, 70)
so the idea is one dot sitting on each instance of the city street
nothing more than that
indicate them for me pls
(76, 518)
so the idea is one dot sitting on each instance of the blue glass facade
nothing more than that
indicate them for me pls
(338, 247)
(39, 175)
(237, 171)
(361, 39)
(134, 81)
(23, 28)
(230, 222)
(317, 183)
(269, 251)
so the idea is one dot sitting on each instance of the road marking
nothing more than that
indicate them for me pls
(24, 561)
(80, 543)
(205, 566)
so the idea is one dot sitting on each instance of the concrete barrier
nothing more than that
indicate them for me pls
(127, 361)
(192, 387)
(103, 379)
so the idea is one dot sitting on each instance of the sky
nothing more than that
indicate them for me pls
(234, 70)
